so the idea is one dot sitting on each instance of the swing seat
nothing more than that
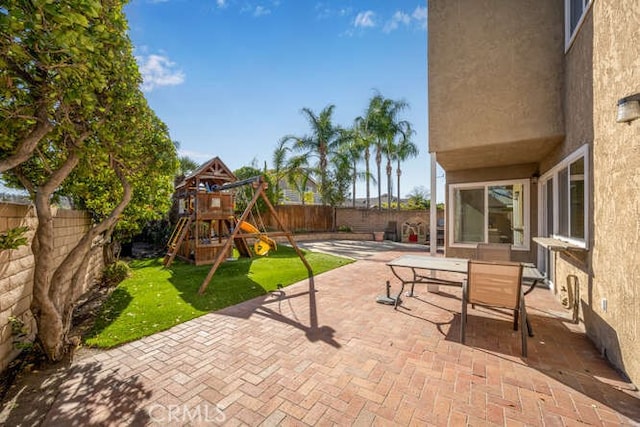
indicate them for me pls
(264, 244)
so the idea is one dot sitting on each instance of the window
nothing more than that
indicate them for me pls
(574, 12)
(494, 212)
(565, 198)
(469, 222)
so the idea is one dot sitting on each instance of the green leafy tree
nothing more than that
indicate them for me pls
(340, 175)
(244, 193)
(418, 198)
(74, 122)
(53, 56)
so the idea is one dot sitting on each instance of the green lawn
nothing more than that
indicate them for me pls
(155, 298)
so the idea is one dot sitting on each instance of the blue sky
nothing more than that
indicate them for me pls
(229, 77)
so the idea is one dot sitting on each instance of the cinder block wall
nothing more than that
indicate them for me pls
(370, 220)
(16, 267)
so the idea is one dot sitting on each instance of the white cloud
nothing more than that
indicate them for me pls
(365, 20)
(157, 71)
(221, 3)
(258, 10)
(324, 11)
(395, 21)
(261, 11)
(420, 15)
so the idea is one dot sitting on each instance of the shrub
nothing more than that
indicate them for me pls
(344, 228)
(116, 272)
(13, 238)
(20, 333)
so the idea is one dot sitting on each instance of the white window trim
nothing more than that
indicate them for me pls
(484, 185)
(553, 173)
(569, 37)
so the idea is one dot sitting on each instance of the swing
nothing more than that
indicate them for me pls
(263, 244)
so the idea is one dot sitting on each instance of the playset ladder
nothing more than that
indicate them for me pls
(177, 236)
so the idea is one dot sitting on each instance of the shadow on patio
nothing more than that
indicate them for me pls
(559, 349)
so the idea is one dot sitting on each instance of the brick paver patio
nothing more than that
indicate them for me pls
(323, 352)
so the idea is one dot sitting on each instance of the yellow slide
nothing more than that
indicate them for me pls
(264, 244)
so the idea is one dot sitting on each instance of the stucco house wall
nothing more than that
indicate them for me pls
(475, 138)
(495, 72)
(602, 65)
(616, 201)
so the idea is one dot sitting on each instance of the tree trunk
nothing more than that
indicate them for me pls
(378, 166)
(367, 157)
(323, 173)
(389, 183)
(48, 317)
(50, 330)
(355, 177)
(56, 289)
(398, 172)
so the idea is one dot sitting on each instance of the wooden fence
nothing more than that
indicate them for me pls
(302, 218)
(315, 218)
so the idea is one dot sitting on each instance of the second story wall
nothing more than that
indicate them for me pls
(495, 79)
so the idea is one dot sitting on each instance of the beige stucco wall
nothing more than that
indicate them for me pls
(616, 202)
(16, 267)
(576, 96)
(572, 271)
(601, 66)
(571, 99)
(494, 80)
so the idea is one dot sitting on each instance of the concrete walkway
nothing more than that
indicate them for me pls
(323, 352)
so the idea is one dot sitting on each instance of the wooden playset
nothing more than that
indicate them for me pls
(208, 228)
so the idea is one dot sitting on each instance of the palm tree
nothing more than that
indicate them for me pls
(187, 165)
(382, 116)
(352, 147)
(279, 166)
(362, 132)
(405, 149)
(298, 172)
(321, 144)
(373, 122)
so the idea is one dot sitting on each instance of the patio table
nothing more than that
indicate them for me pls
(420, 264)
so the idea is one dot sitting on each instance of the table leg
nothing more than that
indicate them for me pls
(516, 315)
(395, 307)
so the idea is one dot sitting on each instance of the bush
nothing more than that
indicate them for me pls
(116, 272)
(344, 228)
(13, 238)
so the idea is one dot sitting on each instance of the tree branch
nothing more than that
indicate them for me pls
(29, 143)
